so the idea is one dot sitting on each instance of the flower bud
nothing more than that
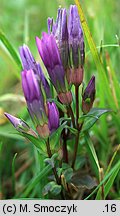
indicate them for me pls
(53, 116)
(65, 97)
(88, 96)
(28, 61)
(20, 125)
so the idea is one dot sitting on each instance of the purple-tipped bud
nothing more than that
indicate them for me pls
(53, 116)
(20, 125)
(49, 53)
(88, 96)
(60, 32)
(76, 46)
(29, 63)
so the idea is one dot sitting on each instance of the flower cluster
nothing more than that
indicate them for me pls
(62, 52)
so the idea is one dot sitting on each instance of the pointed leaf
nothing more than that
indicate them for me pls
(92, 154)
(38, 142)
(92, 117)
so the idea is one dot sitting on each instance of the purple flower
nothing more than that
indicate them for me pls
(53, 116)
(60, 32)
(36, 102)
(33, 96)
(28, 63)
(49, 53)
(88, 96)
(76, 46)
(76, 41)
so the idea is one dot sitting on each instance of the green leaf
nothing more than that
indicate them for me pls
(52, 160)
(72, 130)
(10, 49)
(53, 188)
(68, 173)
(92, 117)
(38, 142)
(55, 136)
(83, 181)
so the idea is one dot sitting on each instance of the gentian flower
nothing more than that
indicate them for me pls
(76, 46)
(49, 53)
(28, 62)
(37, 107)
(20, 125)
(60, 32)
(88, 96)
(40, 111)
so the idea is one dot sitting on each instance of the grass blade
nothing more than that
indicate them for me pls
(109, 184)
(101, 72)
(113, 170)
(36, 180)
(92, 154)
(10, 49)
(13, 173)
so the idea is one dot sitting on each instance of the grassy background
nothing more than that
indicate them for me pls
(21, 21)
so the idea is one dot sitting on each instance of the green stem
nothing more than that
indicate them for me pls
(75, 151)
(76, 145)
(58, 180)
(77, 104)
(65, 151)
(71, 114)
(50, 155)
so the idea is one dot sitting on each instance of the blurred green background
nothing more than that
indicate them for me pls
(21, 21)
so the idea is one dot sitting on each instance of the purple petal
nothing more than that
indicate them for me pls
(28, 61)
(53, 116)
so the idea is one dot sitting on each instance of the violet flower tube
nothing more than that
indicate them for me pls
(37, 107)
(88, 96)
(76, 46)
(49, 53)
(53, 116)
